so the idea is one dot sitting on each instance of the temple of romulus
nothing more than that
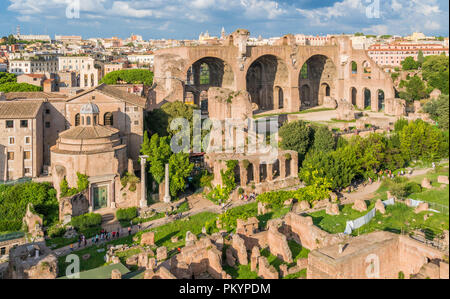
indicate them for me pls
(285, 76)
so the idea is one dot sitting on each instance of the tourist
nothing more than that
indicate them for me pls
(113, 234)
(118, 233)
(79, 241)
(84, 240)
(71, 246)
(129, 230)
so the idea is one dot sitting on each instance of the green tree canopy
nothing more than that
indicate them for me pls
(18, 87)
(158, 151)
(409, 64)
(132, 76)
(435, 71)
(297, 136)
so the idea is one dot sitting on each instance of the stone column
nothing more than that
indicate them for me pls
(143, 201)
(166, 185)
(243, 173)
(269, 172)
(112, 201)
(256, 172)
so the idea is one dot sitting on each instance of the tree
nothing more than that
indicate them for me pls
(439, 111)
(18, 87)
(158, 151)
(296, 136)
(132, 76)
(409, 64)
(324, 140)
(7, 78)
(420, 57)
(159, 119)
(415, 89)
(179, 169)
(435, 70)
(420, 140)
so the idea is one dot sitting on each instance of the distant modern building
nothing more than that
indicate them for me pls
(33, 37)
(141, 59)
(393, 54)
(38, 64)
(84, 66)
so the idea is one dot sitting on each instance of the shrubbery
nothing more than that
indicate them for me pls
(127, 214)
(85, 221)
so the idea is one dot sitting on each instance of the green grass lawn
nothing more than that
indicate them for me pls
(398, 217)
(336, 224)
(240, 272)
(297, 112)
(97, 259)
(164, 233)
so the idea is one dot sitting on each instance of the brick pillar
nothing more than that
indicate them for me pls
(256, 175)
(294, 164)
(243, 173)
(282, 167)
(269, 172)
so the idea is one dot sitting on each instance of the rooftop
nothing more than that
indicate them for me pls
(90, 132)
(19, 109)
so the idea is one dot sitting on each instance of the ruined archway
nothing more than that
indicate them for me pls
(316, 72)
(367, 69)
(325, 91)
(354, 68)
(367, 98)
(205, 73)
(279, 97)
(263, 75)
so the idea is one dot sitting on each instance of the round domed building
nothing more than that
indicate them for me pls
(93, 150)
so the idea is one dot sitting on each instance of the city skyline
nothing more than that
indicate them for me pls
(161, 19)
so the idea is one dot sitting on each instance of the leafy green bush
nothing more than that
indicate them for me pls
(131, 179)
(56, 230)
(228, 220)
(126, 214)
(275, 199)
(85, 221)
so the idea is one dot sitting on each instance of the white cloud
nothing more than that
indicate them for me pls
(430, 25)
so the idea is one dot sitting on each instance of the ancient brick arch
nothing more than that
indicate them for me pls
(204, 73)
(318, 73)
(266, 76)
(172, 64)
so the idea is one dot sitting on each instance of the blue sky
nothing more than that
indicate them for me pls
(186, 19)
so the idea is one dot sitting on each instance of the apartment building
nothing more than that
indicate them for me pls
(21, 139)
(394, 53)
(37, 64)
(84, 66)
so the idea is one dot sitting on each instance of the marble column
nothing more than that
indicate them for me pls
(166, 185)
(294, 164)
(143, 201)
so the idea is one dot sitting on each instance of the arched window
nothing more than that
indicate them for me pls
(77, 119)
(108, 119)
(204, 74)
(327, 91)
(88, 120)
(95, 119)
(280, 98)
(354, 68)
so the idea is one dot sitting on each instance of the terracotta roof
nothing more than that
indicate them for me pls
(93, 132)
(116, 93)
(35, 75)
(19, 109)
(34, 95)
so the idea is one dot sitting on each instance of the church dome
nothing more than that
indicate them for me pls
(89, 108)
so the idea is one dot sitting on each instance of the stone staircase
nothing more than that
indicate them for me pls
(109, 221)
